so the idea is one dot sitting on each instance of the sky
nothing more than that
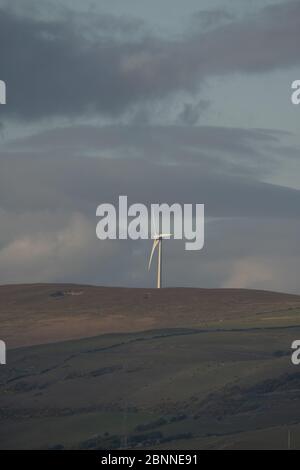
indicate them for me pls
(163, 101)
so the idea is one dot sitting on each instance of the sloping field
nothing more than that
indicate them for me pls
(180, 389)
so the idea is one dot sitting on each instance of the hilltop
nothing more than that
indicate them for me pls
(45, 313)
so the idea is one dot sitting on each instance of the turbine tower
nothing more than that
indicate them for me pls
(158, 238)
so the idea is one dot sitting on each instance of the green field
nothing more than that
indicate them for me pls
(230, 386)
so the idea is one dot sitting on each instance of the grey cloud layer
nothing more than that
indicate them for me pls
(80, 167)
(50, 186)
(72, 66)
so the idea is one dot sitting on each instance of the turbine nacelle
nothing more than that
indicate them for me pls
(161, 236)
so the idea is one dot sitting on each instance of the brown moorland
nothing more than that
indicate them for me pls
(45, 313)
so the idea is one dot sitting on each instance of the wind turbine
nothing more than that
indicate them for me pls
(157, 242)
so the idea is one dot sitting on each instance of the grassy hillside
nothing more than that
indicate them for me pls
(142, 368)
(168, 388)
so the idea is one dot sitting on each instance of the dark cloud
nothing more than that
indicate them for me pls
(79, 167)
(191, 112)
(221, 150)
(61, 68)
(75, 66)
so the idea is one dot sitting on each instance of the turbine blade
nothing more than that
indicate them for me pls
(155, 243)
